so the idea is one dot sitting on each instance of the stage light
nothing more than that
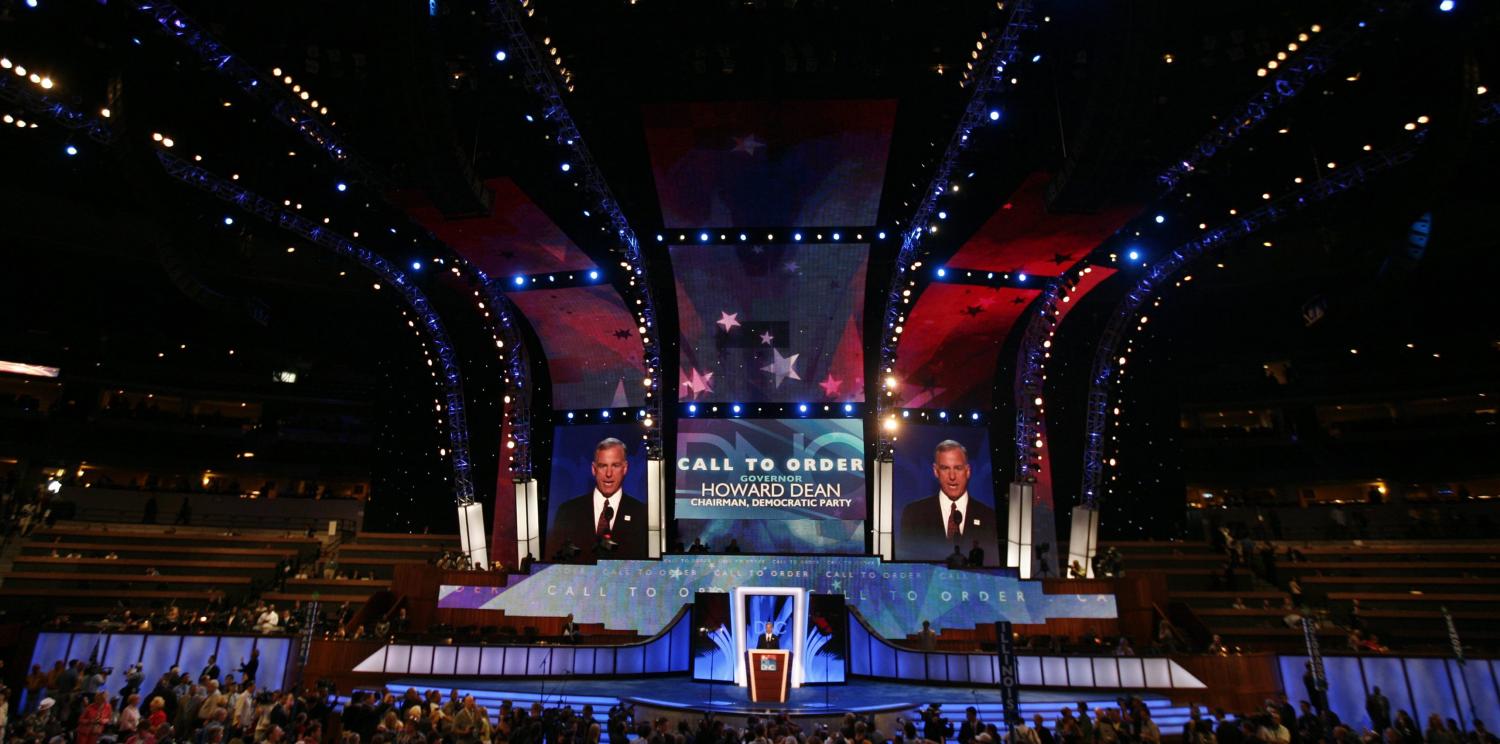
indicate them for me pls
(500, 55)
(71, 150)
(796, 236)
(33, 4)
(735, 409)
(570, 415)
(974, 416)
(1161, 218)
(1021, 277)
(942, 272)
(994, 114)
(1446, 6)
(416, 265)
(566, 167)
(801, 408)
(593, 275)
(1036, 58)
(604, 413)
(880, 235)
(942, 215)
(520, 281)
(890, 423)
(1134, 255)
(744, 237)
(942, 414)
(835, 236)
(693, 408)
(228, 220)
(703, 237)
(341, 186)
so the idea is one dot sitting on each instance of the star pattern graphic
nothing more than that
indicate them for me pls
(791, 267)
(728, 321)
(766, 338)
(831, 385)
(696, 383)
(622, 333)
(1061, 258)
(972, 311)
(1018, 301)
(782, 367)
(748, 144)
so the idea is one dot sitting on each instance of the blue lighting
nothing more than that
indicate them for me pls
(1134, 255)
(530, 118)
(660, 237)
(848, 408)
(341, 186)
(416, 265)
(835, 236)
(520, 281)
(801, 408)
(228, 220)
(942, 272)
(1021, 277)
(942, 215)
(1446, 6)
(70, 150)
(703, 237)
(693, 408)
(566, 167)
(570, 415)
(744, 237)
(735, 409)
(796, 236)
(994, 114)
(1161, 218)
(604, 413)
(974, 416)
(500, 55)
(880, 235)
(31, 3)
(1036, 58)
(593, 274)
(942, 414)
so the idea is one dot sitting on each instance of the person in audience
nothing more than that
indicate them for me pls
(96, 716)
(927, 638)
(957, 559)
(1273, 732)
(268, 621)
(210, 669)
(1437, 733)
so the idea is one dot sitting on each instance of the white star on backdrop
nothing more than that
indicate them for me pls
(782, 367)
(766, 338)
(728, 320)
(748, 144)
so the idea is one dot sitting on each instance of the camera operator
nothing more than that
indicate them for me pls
(934, 726)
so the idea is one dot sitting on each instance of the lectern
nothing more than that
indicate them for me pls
(770, 673)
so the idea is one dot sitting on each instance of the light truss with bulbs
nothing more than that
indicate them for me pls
(287, 219)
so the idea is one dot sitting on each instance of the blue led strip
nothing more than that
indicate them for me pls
(1105, 359)
(1003, 52)
(15, 91)
(541, 78)
(1289, 81)
(286, 108)
(288, 219)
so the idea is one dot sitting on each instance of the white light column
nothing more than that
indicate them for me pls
(1018, 529)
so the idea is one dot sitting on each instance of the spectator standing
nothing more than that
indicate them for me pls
(1379, 710)
(96, 716)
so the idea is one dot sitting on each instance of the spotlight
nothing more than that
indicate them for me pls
(880, 235)
(416, 265)
(566, 167)
(835, 236)
(974, 416)
(1036, 58)
(520, 281)
(994, 114)
(228, 220)
(70, 150)
(1021, 277)
(341, 186)
(1161, 218)
(1134, 255)
(693, 409)
(801, 408)
(604, 413)
(593, 275)
(744, 237)
(796, 236)
(500, 55)
(32, 4)
(1446, 5)
(703, 237)
(942, 272)
(942, 215)
(942, 414)
(735, 409)
(848, 408)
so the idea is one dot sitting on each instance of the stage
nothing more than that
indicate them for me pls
(680, 693)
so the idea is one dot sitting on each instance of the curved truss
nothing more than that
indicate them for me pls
(1107, 365)
(1005, 51)
(541, 78)
(431, 325)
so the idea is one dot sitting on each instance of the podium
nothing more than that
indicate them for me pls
(770, 671)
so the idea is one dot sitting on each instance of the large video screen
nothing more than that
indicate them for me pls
(764, 163)
(944, 498)
(771, 323)
(772, 485)
(581, 476)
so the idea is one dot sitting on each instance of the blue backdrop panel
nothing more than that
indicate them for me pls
(1482, 689)
(51, 648)
(160, 655)
(629, 660)
(275, 653)
(123, 651)
(1432, 691)
(195, 652)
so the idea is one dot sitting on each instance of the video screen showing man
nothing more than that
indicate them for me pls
(607, 523)
(951, 522)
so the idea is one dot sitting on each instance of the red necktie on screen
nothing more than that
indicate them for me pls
(605, 515)
(955, 523)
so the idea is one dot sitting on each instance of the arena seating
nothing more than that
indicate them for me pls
(378, 553)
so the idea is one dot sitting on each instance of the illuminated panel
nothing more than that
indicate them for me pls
(570, 505)
(951, 344)
(1022, 236)
(771, 323)
(516, 237)
(593, 349)
(786, 163)
(921, 532)
(30, 370)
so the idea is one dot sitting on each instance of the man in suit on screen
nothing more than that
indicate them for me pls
(607, 523)
(931, 527)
